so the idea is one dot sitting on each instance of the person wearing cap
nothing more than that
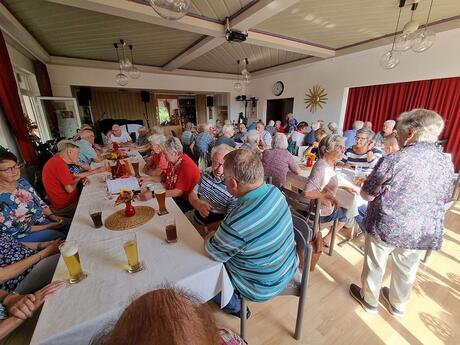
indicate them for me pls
(59, 182)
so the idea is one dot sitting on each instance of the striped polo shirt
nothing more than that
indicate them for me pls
(357, 160)
(215, 193)
(256, 242)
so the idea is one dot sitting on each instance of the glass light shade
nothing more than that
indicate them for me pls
(246, 80)
(423, 40)
(171, 9)
(390, 59)
(410, 27)
(121, 79)
(245, 72)
(237, 86)
(126, 63)
(134, 73)
(403, 42)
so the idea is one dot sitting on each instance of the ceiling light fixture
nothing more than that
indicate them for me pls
(125, 65)
(237, 85)
(244, 73)
(170, 9)
(390, 59)
(424, 39)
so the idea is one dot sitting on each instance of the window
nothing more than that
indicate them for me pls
(167, 107)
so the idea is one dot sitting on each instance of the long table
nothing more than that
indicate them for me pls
(78, 311)
(345, 199)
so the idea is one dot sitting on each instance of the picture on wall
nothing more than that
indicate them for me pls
(67, 114)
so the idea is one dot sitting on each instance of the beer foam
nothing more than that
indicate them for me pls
(68, 249)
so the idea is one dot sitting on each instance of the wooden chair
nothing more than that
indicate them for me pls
(309, 209)
(303, 236)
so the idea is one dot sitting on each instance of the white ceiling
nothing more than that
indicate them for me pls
(280, 31)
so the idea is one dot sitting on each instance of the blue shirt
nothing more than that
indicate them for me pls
(350, 136)
(256, 242)
(203, 143)
(87, 153)
(215, 192)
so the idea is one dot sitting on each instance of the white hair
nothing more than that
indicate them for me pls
(367, 132)
(278, 122)
(280, 141)
(66, 144)
(329, 143)
(271, 123)
(157, 139)
(221, 148)
(174, 146)
(253, 136)
(332, 125)
(390, 122)
(426, 124)
(358, 124)
(228, 129)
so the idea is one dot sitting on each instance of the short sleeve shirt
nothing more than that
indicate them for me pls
(225, 140)
(277, 163)
(21, 209)
(55, 176)
(123, 138)
(87, 152)
(360, 160)
(188, 176)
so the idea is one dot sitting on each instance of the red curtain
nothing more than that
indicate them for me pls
(44, 85)
(11, 105)
(378, 103)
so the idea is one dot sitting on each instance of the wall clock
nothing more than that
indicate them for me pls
(316, 97)
(278, 88)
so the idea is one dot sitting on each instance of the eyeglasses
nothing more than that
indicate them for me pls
(217, 165)
(361, 138)
(12, 169)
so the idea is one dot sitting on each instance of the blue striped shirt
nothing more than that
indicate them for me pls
(357, 160)
(215, 193)
(256, 241)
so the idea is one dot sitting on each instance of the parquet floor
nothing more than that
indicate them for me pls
(333, 317)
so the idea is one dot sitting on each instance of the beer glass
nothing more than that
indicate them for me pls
(135, 164)
(95, 212)
(69, 252)
(160, 194)
(132, 254)
(171, 233)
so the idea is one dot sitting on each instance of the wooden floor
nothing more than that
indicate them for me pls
(333, 317)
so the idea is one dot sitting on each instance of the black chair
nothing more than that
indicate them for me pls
(303, 236)
(309, 209)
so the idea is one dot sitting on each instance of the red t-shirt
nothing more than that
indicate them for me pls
(188, 176)
(55, 176)
(159, 161)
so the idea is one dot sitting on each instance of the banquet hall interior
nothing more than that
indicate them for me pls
(181, 113)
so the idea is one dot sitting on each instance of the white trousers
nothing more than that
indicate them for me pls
(404, 271)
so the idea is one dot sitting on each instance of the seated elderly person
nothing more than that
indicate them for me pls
(23, 214)
(252, 142)
(363, 153)
(86, 144)
(271, 128)
(210, 199)
(323, 183)
(298, 135)
(188, 136)
(182, 174)
(407, 193)
(169, 316)
(313, 148)
(265, 136)
(240, 136)
(117, 135)
(59, 182)
(388, 129)
(261, 258)
(157, 163)
(16, 308)
(333, 127)
(204, 141)
(226, 137)
(142, 136)
(278, 161)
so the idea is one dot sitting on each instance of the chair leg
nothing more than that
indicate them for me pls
(334, 233)
(303, 294)
(243, 320)
(427, 256)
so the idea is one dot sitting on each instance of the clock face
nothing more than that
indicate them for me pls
(278, 88)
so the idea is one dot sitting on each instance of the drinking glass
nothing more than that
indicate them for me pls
(160, 194)
(95, 212)
(171, 232)
(132, 253)
(69, 252)
(135, 164)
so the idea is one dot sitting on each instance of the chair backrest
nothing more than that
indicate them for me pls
(269, 179)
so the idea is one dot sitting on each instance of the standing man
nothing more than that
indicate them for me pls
(407, 194)
(256, 238)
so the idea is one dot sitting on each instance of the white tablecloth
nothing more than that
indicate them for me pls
(78, 311)
(346, 199)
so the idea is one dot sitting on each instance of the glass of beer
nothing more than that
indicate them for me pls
(69, 252)
(95, 212)
(160, 194)
(135, 164)
(132, 254)
(171, 233)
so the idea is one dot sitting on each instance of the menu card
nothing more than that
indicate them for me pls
(114, 186)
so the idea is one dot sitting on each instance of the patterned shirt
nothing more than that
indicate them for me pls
(411, 188)
(360, 160)
(21, 209)
(187, 138)
(266, 138)
(12, 251)
(203, 143)
(277, 163)
(256, 241)
(215, 192)
(228, 337)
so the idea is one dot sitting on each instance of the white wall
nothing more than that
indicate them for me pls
(63, 77)
(336, 75)
(19, 60)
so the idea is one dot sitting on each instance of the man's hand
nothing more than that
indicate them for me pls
(204, 208)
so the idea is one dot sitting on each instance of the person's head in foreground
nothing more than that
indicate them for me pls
(243, 171)
(418, 125)
(163, 317)
(9, 168)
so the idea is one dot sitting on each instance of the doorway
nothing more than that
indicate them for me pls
(277, 109)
